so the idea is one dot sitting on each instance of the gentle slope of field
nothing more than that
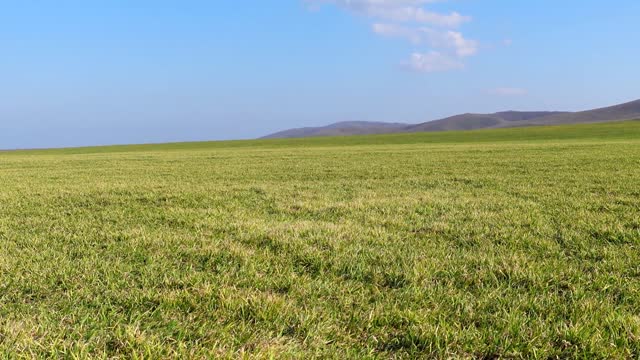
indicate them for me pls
(516, 243)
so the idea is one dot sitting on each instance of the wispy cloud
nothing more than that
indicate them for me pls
(439, 46)
(448, 40)
(397, 31)
(433, 61)
(399, 11)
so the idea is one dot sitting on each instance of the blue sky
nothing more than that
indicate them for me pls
(120, 71)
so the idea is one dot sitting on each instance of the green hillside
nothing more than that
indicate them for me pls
(518, 243)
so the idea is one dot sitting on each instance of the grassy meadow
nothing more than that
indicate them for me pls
(514, 243)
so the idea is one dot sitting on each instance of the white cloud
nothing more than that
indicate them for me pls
(434, 61)
(412, 21)
(508, 91)
(420, 15)
(397, 31)
(399, 10)
(452, 41)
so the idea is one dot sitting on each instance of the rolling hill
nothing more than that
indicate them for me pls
(627, 111)
(341, 128)
(479, 121)
(506, 119)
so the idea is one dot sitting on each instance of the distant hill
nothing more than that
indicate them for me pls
(479, 121)
(627, 111)
(341, 128)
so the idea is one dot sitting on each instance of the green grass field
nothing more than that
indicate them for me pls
(521, 243)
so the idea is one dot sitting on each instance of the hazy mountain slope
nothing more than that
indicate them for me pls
(479, 121)
(525, 115)
(459, 122)
(341, 128)
(627, 111)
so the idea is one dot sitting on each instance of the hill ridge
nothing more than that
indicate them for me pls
(470, 121)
